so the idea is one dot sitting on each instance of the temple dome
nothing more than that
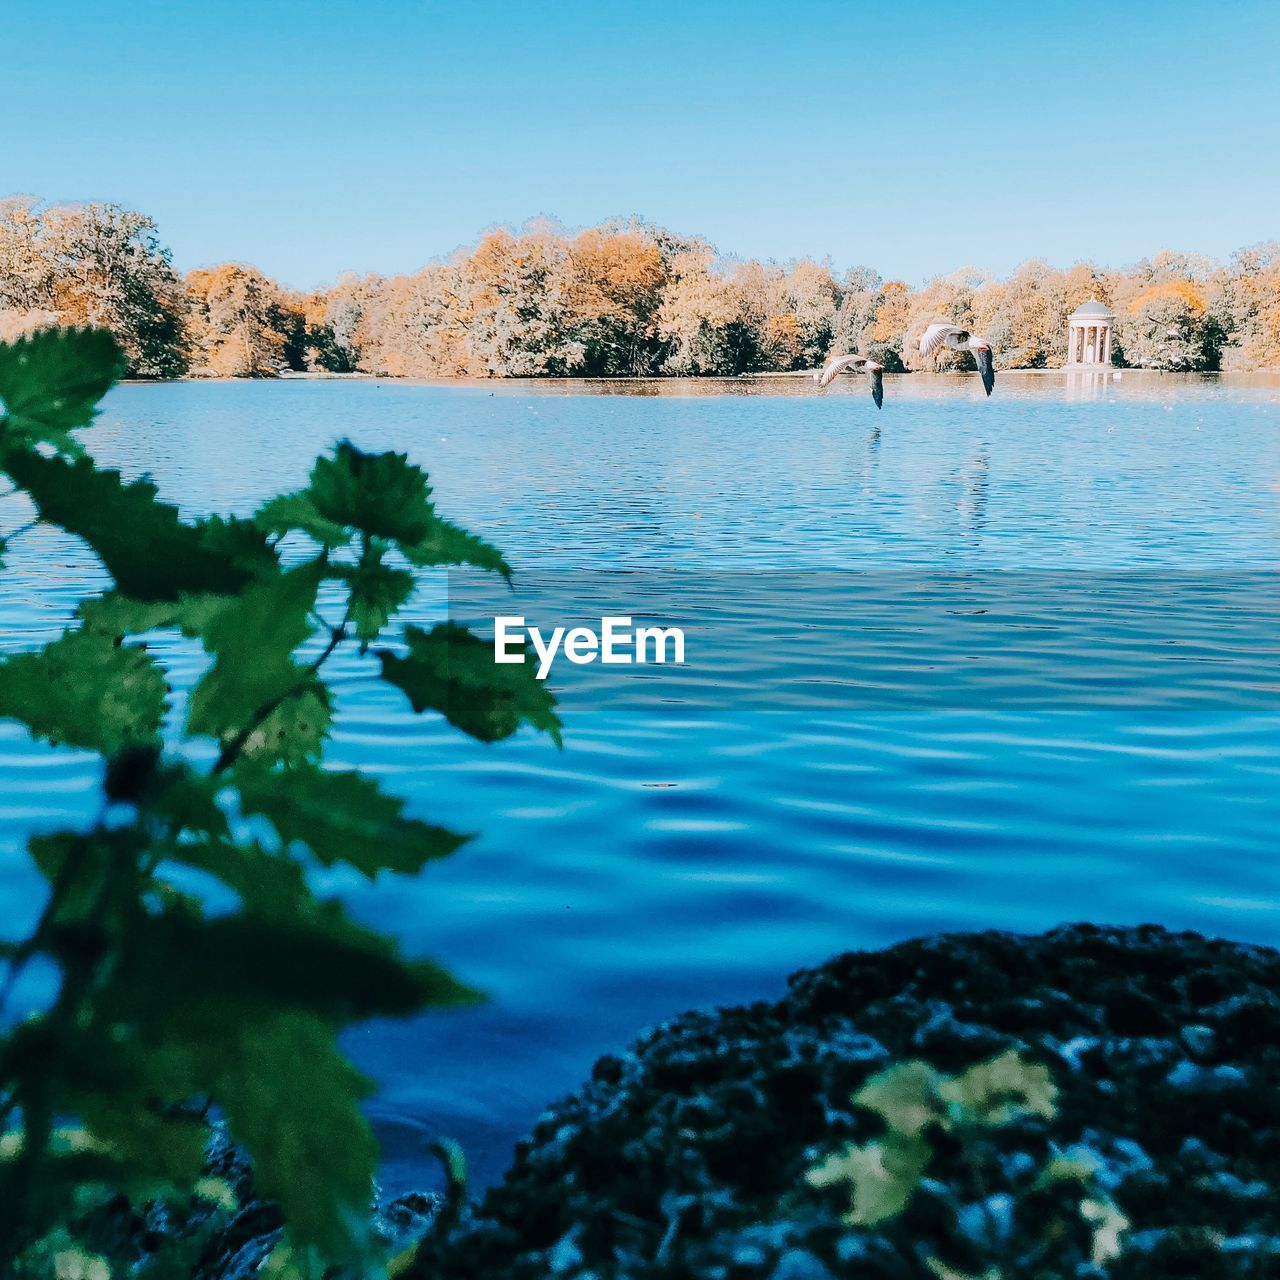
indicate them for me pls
(1092, 310)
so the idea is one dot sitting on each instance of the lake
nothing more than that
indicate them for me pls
(960, 663)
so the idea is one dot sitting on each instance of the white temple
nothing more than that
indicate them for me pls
(1089, 334)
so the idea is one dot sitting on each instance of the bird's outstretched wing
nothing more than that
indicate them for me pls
(986, 367)
(876, 375)
(937, 333)
(836, 366)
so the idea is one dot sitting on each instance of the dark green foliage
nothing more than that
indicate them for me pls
(447, 669)
(445, 543)
(51, 383)
(142, 543)
(383, 499)
(172, 1006)
(252, 639)
(377, 592)
(85, 691)
(344, 817)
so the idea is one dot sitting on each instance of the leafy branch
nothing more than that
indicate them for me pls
(170, 1008)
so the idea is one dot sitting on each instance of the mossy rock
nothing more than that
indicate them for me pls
(686, 1156)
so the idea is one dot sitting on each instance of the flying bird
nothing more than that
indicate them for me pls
(940, 335)
(855, 364)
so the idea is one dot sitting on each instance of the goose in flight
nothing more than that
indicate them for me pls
(855, 364)
(940, 335)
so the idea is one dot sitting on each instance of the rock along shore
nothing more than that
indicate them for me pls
(686, 1156)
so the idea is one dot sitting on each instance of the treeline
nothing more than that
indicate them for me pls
(624, 298)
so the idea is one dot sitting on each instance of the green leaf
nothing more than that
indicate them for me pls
(267, 883)
(185, 800)
(241, 542)
(118, 615)
(377, 592)
(381, 494)
(142, 542)
(253, 640)
(296, 731)
(446, 543)
(51, 382)
(343, 817)
(313, 1151)
(149, 1142)
(175, 968)
(996, 1092)
(905, 1097)
(87, 868)
(85, 691)
(452, 671)
(292, 511)
(881, 1177)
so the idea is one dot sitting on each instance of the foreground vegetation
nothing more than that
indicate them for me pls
(182, 969)
(624, 298)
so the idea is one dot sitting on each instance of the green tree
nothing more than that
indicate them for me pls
(169, 1005)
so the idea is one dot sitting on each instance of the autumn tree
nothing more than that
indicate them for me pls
(859, 295)
(514, 302)
(333, 318)
(1251, 307)
(241, 322)
(1168, 326)
(614, 292)
(699, 317)
(887, 331)
(94, 264)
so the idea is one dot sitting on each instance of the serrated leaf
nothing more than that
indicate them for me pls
(178, 967)
(297, 511)
(51, 382)
(381, 494)
(241, 542)
(118, 615)
(905, 1097)
(83, 690)
(377, 592)
(446, 543)
(295, 732)
(1001, 1090)
(881, 1177)
(314, 1152)
(267, 883)
(449, 670)
(145, 546)
(343, 816)
(253, 640)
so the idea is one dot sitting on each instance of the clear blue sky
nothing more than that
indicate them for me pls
(311, 138)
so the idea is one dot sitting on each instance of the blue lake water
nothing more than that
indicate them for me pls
(960, 663)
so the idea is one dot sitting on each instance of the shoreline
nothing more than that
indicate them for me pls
(1075, 374)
